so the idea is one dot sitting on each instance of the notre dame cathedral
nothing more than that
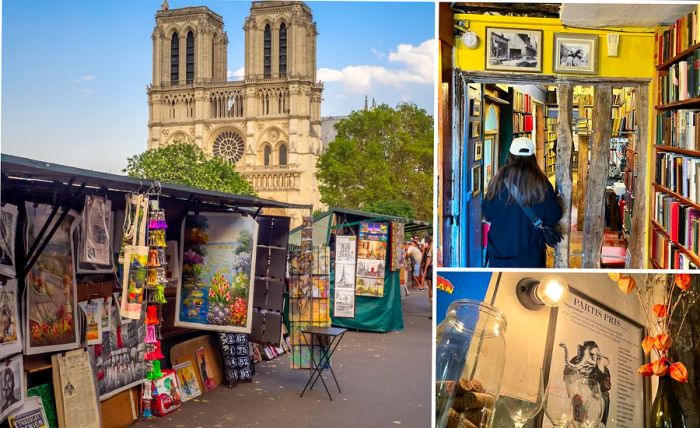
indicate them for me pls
(267, 124)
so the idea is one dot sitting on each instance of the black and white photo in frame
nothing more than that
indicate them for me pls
(575, 53)
(11, 385)
(513, 49)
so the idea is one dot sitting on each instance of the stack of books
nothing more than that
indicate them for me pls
(679, 173)
(678, 128)
(679, 37)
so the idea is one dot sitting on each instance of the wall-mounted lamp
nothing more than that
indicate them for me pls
(469, 38)
(534, 294)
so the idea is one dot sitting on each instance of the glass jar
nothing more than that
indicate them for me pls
(469, 359)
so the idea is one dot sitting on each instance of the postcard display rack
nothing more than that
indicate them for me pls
(309, 295)
(675, 225)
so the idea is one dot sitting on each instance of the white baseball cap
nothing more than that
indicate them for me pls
(522, 146)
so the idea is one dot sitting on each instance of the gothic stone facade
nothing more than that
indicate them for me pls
(269, 123)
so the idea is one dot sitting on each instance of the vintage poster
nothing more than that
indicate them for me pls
(30, 415)
(12, 390)
(119, 360)
(204, 365)
(93, 324)
(321, 262)
(236, 354)
(10, 338)
(51, 302)
(344, 276)
(371, 259)
(134, 280)
(215, 291)
(75, 389)
(187, 380)
(397, 253)
(8, 228)
(593, 342)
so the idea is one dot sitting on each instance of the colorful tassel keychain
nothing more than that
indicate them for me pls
(151, 334)
(147, 397)
(152, 315)
(159, 295)
(153, 259)
(155, 373)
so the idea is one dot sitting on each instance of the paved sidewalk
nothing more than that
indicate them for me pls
(385, 379)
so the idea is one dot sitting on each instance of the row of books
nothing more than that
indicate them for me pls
(679, 173)
(681, 81)
(522, 102)
(668, 255)
(678, 128)
(679, 220)
(522, 122)
(679, 37)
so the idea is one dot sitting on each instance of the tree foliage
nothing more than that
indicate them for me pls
(187, 164)
(381, 160)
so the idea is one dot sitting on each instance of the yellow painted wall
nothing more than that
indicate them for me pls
(635, 52)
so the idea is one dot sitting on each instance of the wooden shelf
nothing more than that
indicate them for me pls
(677, 150)
(521, 112)
(692, 256)
(676, 195)
(684, 54)
(34, 366)
(522, 132)
(690, 102)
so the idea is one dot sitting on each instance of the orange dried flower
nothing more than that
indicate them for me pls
(660, 310)
(615, 276)
(626, 284)
(678, 372)
(660, 366)
(648, 344)
(663, 342)
(646, 370)
(682, 281)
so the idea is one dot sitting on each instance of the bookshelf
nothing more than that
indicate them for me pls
(550, 146)
(522, 114)
(675, 221)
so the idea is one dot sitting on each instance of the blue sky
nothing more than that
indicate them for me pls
(74, 73)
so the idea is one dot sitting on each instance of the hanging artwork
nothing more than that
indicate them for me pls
(10, 340)
(371, 259)
(93, 324)
(344, 277)
(397, 253)
(74, 390)
(8, 226)
(216, 287)
(96, 246)
(12, 390)
(187, 380)
(119, 360)
(134, 280)
(51, 303)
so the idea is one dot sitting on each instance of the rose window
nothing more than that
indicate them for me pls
(229, 145)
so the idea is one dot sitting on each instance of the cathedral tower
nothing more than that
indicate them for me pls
(267, 124)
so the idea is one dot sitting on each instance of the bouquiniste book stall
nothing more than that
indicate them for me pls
(111, 271)
(366, 254)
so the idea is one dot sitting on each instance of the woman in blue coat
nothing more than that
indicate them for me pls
(513, 241)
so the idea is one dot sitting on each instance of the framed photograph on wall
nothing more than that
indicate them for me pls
(575, 53)
(478, 150)
(476, 108)
(476, 180)
(591, 341)
(514, 49)
(476, 129)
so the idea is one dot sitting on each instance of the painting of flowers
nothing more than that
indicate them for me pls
(51, 288)
(216, 286)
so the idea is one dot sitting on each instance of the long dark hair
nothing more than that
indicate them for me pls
(524, 179)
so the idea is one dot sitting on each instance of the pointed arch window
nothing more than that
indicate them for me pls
(174, 59)
(267, 155)
(189, 69)
(267, 52)
(283, 50)
(283, 154)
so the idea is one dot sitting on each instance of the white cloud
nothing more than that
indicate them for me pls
(237, 74)
(87, 91)
(406, 65)
(86, 78)
(377, 53)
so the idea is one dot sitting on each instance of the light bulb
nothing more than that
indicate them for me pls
(552, 290)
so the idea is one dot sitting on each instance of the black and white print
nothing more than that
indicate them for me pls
(575, 53)
(511, 49)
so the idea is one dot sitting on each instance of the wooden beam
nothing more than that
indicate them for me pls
(582, 180)
(547, 79)
(597, 177)
(640, 221)
(565, 95)
(545, 10)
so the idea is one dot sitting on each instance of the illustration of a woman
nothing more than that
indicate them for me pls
(589, 363)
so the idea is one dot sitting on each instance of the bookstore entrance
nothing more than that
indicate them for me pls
(588, 143)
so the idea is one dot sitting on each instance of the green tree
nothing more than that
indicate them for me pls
(381, 160)
(187, 164)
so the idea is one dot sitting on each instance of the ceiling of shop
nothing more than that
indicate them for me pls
(622, 15)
